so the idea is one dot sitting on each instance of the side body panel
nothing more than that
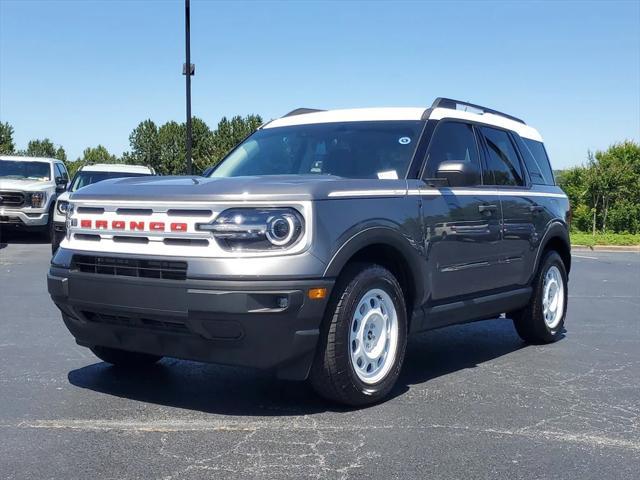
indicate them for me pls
(462, 237)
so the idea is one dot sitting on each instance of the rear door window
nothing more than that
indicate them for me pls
(503, 164)
(537, 162)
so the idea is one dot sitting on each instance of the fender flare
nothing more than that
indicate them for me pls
(380, 235)
(557, 229)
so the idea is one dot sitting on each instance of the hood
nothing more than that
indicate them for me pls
(185, 189)
(24, 184)
(63, 196)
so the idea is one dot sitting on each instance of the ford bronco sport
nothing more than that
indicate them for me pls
(319, 244)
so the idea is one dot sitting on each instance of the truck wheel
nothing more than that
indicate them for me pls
(542, 321)
(47, 230)
(363, 338)
(124, 358)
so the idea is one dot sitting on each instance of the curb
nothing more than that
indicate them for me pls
(607, 248)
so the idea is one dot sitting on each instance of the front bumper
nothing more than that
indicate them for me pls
(263, 324)
(24, 218)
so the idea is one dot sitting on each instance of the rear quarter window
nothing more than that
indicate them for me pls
(537, 162)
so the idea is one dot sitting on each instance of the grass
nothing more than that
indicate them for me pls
(625, 239)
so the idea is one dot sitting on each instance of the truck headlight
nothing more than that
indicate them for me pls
(256, 229)
(62, 206)
(37, 199)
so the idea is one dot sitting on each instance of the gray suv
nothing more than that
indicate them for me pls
(319, 244)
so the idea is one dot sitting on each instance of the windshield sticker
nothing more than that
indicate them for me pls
(404, 140)
(388, 175)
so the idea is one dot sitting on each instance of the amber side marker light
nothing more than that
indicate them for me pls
(317, 293)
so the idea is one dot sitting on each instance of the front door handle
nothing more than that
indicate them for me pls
(536, 208)
(487, 208)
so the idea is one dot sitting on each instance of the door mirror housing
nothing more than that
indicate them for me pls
(459, 173)
(61, 185)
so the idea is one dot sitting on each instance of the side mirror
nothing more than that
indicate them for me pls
(459, 173)
(61, 185)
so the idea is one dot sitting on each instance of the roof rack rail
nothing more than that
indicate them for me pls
(302, 111)
(453, 104)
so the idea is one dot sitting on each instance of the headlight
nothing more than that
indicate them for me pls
(38, 199)
(256, 229)
(62, 206)
(69, 222)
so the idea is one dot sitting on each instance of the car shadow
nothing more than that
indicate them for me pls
(11, 235)
(237, 391)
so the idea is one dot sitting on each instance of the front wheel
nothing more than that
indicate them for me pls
(364, 338)
(124, 358)
(542, 321)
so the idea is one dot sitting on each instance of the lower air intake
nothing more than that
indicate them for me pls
(130, 267)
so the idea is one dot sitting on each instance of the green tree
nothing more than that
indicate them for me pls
(145, 148)
(171, 147)
(164, 148)
(91, 156)
(98, 154)
(605, 192)
(61, 154)
(7, 147)
(41, 148)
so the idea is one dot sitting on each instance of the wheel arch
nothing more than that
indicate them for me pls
(556, 238)
(388, 248)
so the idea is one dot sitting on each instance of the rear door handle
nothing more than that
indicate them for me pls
(487, 208)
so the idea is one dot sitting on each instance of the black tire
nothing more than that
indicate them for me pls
(530, 322)
(332, 374)
(47, 231)
(124, 358)
(56, 240)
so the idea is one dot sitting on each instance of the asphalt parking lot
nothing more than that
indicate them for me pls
(473, 402)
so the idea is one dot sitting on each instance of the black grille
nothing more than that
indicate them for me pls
(130, 267)
(166, 325)
(12, 199)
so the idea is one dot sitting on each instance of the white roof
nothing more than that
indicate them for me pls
(28, 159)
(521, 129)
(350, 115)
(116, 167)
(404, 113)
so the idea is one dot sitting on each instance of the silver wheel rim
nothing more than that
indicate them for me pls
(553, 297)
(373, 336)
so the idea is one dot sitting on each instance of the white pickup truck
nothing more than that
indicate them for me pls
(29, 187)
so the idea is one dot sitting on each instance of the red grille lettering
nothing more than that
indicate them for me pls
(102, 224)
(85, 223)
(178, 227)
(136, 225)
(117, 225)
(156, 226)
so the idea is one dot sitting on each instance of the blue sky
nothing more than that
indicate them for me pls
(86, 72)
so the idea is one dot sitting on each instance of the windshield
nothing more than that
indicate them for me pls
(25, 170)
(82, 179)
(380, 149)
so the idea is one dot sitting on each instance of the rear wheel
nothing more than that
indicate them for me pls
(364, 338)
(542, 321)
(124, 358)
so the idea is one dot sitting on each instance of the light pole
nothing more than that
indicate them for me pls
(188, 69)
